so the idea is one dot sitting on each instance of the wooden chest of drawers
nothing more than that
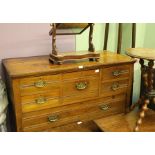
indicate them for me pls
(47, 97)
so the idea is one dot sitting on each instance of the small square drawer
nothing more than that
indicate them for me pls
(80, 86)
(39, 102)
(111, 88)
(80, 89)
(115, 72)
(35, 85)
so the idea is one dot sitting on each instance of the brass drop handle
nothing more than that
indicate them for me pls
(40, 84)
(81, 85)
(41, 100)
(53, 118)
(115, 86)
(104, 107)
(119, 72)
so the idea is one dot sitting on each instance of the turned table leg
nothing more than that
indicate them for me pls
(142, 114)
(147, 76)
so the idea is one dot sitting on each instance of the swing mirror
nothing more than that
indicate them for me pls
(70, 28)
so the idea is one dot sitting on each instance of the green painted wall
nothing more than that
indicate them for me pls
(98, 35)
(149, 39)
(98, 38)
(144, 38)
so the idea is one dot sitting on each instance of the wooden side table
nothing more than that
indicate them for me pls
(147, 97)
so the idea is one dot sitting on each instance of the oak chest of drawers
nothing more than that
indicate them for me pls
(68, 97)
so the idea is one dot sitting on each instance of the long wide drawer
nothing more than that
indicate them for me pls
(84, 111)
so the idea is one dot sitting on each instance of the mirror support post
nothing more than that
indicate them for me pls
(91, 46)
(54, 50)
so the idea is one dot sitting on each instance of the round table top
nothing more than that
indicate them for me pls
(142, 53)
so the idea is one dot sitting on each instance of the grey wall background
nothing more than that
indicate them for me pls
(22, 40)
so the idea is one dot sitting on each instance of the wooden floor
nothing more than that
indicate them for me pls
(126, 123)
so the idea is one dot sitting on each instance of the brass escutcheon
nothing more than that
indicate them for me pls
(40, 84)
(53, 118)
(119, 72)
(40, 100)
(104, 107)
(81, 85)
(115, 86)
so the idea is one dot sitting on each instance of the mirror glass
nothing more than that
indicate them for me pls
(70, 28)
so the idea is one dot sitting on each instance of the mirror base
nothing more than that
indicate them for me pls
(60, 59)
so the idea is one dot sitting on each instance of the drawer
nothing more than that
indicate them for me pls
(80, 90)
(35, 85)
(39, 102)
(83, 111)
(112, 88)
(79, 74)
(80, 86)
(115, 72)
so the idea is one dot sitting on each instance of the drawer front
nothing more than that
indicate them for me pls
(112, 88)
(39, 102)
(35, 85)
(80, 86)
(115, 72)
(79, 74)
(83, 111)
(80, 90)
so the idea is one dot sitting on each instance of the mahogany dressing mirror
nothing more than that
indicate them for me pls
(72, 29)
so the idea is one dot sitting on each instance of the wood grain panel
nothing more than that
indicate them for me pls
(88, 126)
(40, 65)
(78, 112)
(81, 97)
(32, 89)
(39, 102)
(115, 72)
(113, 88)
(47, 78)
(17, 104)
(79, 74)
(70, 88)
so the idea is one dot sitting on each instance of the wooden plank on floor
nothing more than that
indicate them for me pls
(126, 122)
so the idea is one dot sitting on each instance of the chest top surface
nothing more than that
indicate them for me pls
(39, 65)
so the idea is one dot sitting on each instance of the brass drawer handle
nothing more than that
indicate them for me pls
(115, 86)
(104, 107)
(81, 85)
(41, 100)
(119, 72)
(53, 118)
(40, 84)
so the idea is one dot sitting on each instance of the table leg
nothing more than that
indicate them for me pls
(136, 104)
(142, 114)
